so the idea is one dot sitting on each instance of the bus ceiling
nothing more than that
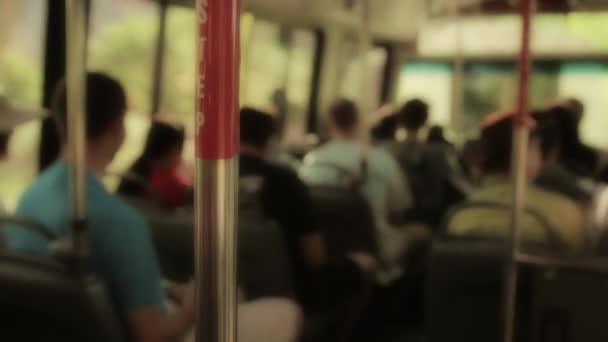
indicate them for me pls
(441, 8)
(386, 16)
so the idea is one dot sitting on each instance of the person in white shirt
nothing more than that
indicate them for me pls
(384, 185)
(10, 118)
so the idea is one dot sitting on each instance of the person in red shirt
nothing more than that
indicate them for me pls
(156, 174)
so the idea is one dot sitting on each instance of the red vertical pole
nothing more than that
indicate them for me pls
(518, 168)
(217, 168)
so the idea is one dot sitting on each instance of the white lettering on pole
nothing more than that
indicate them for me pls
(203, 17)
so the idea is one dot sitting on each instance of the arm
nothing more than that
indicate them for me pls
(149, 324)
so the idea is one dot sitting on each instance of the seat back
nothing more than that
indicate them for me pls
(464, 291)
(264, 266)
(41, 298)
(346, 220)
(571, 302)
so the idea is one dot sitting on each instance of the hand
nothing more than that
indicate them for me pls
(366, 262)
(188, 301)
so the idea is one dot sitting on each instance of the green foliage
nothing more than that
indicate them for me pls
(21, 78)
(125, 50)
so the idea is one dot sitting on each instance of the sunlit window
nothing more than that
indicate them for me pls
(430, 82)
(123, 44)
(21, 43)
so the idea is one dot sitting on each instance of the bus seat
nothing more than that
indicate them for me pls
(345, 219)
(173, 238)
(42, 299)
(464, 289)
(264, 267)
(571, 303)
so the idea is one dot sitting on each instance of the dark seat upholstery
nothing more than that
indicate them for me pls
(464, 291)
(345, 219)
(264, 268)
(41, 299)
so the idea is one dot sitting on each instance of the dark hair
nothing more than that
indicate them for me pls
(106, 101)
(548, 131)
(385, 129)
(574, 154)
(344, 114)
(4, 137)
(414, 114)
(436, 135)
(162, 139)
(257, 127)
(496, 145)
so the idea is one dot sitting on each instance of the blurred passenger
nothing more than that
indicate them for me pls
(121, 250)
(574, 155)
(10, 118)
(383, 184)
(427, 167)
(563, 218)
(553, 176)
(437, 136)
(470, 161)
(283, 197)
(385, 130)
(157, 172)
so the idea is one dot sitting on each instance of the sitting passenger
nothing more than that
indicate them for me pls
(10, 118)
(553, 175)
(575, 155)
(383, 184)
(121, 250)
(284, 198)
(159, 168)
(563, 216)
(427, 167)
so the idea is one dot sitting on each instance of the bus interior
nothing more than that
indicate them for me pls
(475, 265)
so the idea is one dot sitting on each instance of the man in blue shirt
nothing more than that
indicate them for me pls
(121, 249)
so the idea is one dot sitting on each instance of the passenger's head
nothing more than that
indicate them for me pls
(106, 105)
(576, 107)
(257, 131)
(164, 144)
(436, 135)
(385, 129)
(343, 119)
(414, 114)
(496, 145)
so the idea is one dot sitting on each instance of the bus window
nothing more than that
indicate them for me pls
(431, 82)
(299, 82)
(122, 44)
(21, 43)
(277, 75)
(351, 87)
(588, 82)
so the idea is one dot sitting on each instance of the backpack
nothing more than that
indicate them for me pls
(264, 268)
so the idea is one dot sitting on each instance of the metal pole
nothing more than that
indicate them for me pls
(365, 46)
(76, 16)
(217, 169)
(159, 57)
(458, 120)
(520, 148)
